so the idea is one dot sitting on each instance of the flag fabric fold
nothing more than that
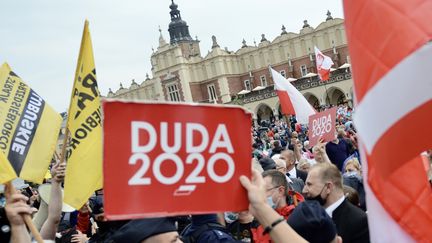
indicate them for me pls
(7, 173)
(323, 64)
(291, 100)
(84, 151)
(387, 65)
(29, 127)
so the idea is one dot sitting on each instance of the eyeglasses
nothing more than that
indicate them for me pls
(272, 188)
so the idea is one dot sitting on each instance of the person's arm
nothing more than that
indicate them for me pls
(281, 232)
(49, 228)
(297, 151)
(15, 208)
(322, 150)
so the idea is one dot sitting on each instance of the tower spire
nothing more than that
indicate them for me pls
(178, 28)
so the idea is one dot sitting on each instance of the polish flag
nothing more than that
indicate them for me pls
(291, 100)
(391, 57)
(323, 64)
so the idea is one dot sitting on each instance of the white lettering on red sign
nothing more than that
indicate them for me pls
(220, 140)
(321, 125)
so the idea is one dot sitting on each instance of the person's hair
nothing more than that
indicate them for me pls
(291, 154)
(352, 195)
(277, 179)
(280, 163)
(341, 132)
(329, 172)
(302, 162)
(355, 162)
(276, 143)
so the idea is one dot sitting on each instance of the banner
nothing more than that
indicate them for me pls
(166, 159)
(29, 127)
(84, 153)
(323, 64)
(322, 125)
(291, 100)
(387, 65)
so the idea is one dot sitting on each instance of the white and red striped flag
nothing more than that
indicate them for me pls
(323, 64)
(391, 53)
(291, 100)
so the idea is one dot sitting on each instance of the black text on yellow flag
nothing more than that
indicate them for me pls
(29, 127)
(84, 153)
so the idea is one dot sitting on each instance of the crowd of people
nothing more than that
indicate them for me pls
(297, 193)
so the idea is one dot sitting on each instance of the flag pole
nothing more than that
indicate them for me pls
(327, 95)
(27, 219)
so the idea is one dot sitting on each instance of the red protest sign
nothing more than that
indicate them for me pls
(167, 159)
(322, 125)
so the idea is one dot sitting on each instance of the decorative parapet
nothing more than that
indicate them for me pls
(300, 84)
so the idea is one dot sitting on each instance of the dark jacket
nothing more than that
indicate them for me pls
(301, 174)
(210, 233)
(351, 223)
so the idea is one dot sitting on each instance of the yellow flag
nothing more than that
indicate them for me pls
(7, 173)
(29, 127)
(84, 153)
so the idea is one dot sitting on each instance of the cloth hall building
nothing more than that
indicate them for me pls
(181, 73)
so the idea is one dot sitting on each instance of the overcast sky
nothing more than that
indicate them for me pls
(40, 39)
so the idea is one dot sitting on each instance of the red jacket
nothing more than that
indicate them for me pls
(258, 232)
(83, 222)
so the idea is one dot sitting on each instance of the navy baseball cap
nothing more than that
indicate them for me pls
(310, 220)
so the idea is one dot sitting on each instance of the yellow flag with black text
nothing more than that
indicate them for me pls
(84, 151)
(29, 127)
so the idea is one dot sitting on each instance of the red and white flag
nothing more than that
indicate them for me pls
(291, 100)
(390, 61)
(323, 64)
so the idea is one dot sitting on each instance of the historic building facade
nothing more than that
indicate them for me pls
(180, 73)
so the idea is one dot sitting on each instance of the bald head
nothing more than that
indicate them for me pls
(280, 165)
(289, 158)
(328, 173)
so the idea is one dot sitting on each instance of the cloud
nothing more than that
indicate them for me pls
(41, 39)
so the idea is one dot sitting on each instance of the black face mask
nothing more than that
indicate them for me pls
(318, 198)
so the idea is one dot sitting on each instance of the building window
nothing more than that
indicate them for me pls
(303, 70)
(211, 92)
(263, 81)
(283, 73)
(173, 92)
(247, 84)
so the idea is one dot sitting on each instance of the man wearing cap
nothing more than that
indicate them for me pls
(267, 163)
(324, 184)
(312, 223)
(154, 230)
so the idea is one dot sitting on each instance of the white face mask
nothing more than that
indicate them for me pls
(270, 202)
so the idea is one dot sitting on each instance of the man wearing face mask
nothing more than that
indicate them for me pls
(276, 192)
(324, 184)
